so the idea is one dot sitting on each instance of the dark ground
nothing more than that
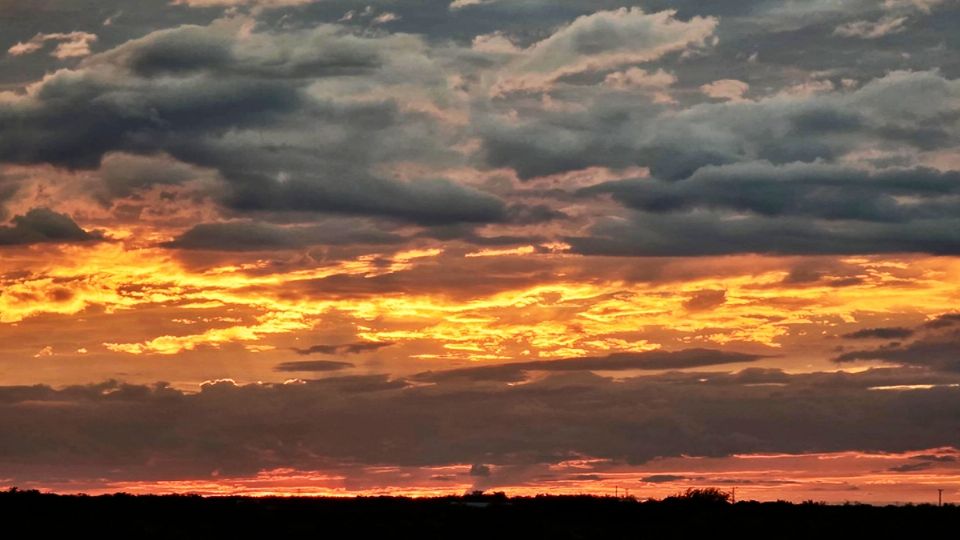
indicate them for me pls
(700, 514)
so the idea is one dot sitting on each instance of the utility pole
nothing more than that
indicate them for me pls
(617, 491)
(939, 497)
(733, 495)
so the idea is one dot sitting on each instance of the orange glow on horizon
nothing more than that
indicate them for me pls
(830, 477)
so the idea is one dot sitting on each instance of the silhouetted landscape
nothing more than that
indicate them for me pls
(697, 513)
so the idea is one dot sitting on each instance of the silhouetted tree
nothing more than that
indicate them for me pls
(710, 495)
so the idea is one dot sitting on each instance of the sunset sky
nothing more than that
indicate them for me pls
(423, 247)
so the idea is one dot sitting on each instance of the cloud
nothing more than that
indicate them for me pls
(872, 30)
(313, 365)
(316, 119)
(904, 110)
(346, 348)
(934, 458)
(924, 462)
(70, 45)
(255, 236)
(911, 467)
(934, 345)
(229, 3)
(925, 6)
(698, 233)
(460, 4)
(898, 332)
(726, 89)
(946, 320)
(815, 190)
(662, 478)
(385, 17)
(623, 361)
(116, 431)
(638, 79)
(206, 95)
(479, 469)
(605, 40)
(124, 175)
(42, 225)
(813, 207)
(706, 299)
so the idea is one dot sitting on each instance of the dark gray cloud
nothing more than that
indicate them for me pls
(124, 174)
(712, 233)
(428, 202)
(896, 332)
(42, 225)
(822, 271)
(923, 462)
(762, 176)
(8, 188)
(530, 214)
(915, 110)
(706, 299)
(946, 458)
(479, 469)
(313, 365)
(345, 348)
(468, 234)
(812, 190)
(112, 21)
(651, 360)
(326, 51)
(253, 236)
(662, 478)
(303, 110)
(118, 431)
(944, 321)
(242, 104)
(911, 467)
(935, 345)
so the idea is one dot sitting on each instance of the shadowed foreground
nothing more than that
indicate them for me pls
(696, 514)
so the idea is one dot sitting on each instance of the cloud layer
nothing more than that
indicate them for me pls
(159, 432)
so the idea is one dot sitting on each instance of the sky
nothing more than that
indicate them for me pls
(427, 247)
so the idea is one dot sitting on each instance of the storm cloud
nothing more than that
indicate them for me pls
(42, 225)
